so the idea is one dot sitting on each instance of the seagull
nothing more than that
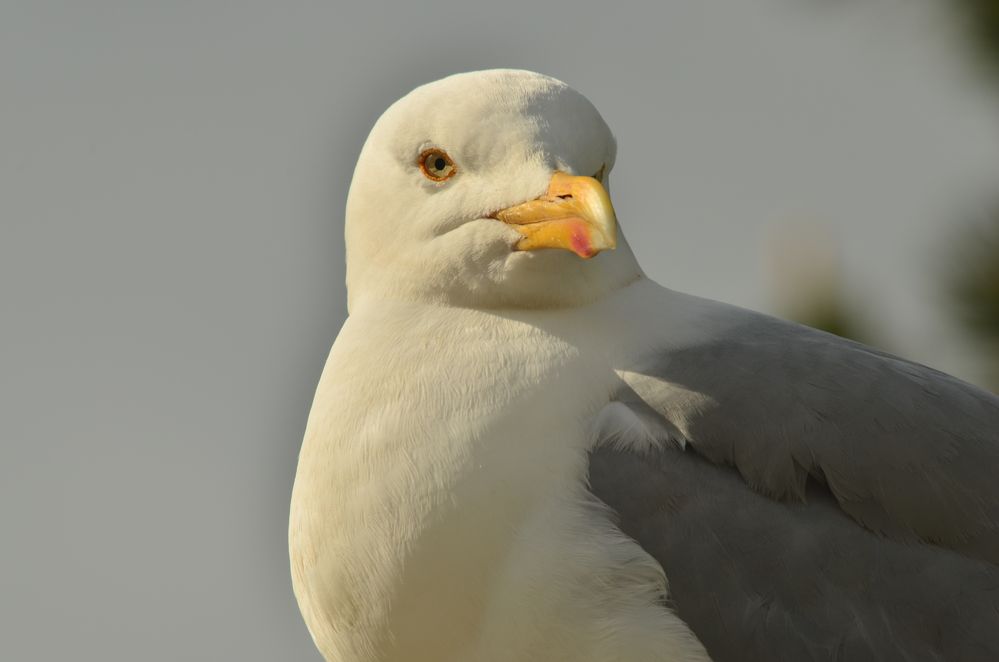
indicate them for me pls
(522, 449)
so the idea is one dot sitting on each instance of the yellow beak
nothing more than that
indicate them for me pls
(575, 214)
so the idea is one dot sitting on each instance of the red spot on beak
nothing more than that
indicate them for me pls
(580, 241)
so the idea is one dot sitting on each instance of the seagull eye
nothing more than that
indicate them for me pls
(437, 165)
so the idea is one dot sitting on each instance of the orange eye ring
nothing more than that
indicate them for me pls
(436, 165)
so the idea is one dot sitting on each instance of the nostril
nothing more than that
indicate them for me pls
(567, 196)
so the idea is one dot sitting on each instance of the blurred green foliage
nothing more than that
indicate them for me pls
(982, 18)
(833, 316)
(974, 284)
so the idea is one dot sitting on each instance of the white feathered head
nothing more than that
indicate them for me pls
(486, 189)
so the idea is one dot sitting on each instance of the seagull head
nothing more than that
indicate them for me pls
(486, 189)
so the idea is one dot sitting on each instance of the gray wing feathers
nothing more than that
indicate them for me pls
(907, 451)
(757, 579)
(789, 438)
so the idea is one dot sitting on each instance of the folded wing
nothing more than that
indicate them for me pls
(826, 500)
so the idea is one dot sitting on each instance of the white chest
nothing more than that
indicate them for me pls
(439, 510)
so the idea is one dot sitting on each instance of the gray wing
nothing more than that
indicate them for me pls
(831, 502)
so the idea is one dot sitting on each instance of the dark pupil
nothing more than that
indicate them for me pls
(439, 163)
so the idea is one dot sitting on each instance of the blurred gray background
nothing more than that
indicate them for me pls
(172, 178)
